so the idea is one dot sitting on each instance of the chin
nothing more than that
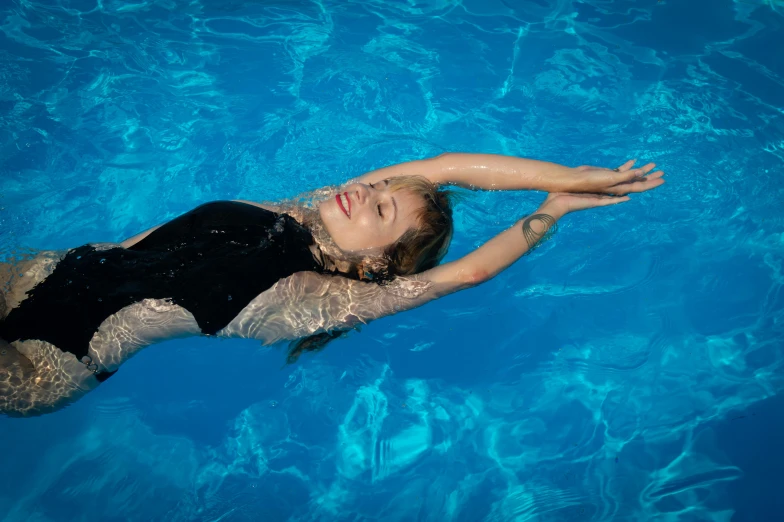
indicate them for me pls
(329, 216)
(327, 211)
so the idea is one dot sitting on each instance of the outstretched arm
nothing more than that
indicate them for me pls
(497, 172)
(507, 247)
(308, 303)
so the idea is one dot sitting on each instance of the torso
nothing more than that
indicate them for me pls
(152, 319)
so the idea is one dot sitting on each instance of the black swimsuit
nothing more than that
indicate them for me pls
(212, 261)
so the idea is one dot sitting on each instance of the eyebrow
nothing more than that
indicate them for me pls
(394, 203)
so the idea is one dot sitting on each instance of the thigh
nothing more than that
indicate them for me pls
(11, 361)
(37, 378)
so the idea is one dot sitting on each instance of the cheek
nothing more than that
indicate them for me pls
(370, 228)
(330, 219)
(330, 211)
(366, 222)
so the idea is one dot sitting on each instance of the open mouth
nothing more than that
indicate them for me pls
(344, 203)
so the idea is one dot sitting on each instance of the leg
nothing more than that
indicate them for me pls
(37, 378)
(11, 361)
(16, 371)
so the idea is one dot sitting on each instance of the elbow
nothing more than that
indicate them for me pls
(474, 277)
(445, 159)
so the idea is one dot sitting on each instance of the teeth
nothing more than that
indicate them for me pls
(344, 200)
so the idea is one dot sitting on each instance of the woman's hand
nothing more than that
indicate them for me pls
(617, 182)
(558, 204)
(637, 180)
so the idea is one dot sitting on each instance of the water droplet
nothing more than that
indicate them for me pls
(273, 404)
(78, 257)
(102, 261)
(100, 300)
(229, 298)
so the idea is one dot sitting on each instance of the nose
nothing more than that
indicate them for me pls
(362, 192)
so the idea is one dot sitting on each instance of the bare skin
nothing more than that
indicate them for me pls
(370, 216)
(36, 377)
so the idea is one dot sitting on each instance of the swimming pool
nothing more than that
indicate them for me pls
(630, 369)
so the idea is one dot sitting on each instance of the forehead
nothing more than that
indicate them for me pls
(408, 202)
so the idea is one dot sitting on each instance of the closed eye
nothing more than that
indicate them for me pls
(378, 207)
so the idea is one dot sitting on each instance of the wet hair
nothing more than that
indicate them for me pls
(421, 248)
(417, 250)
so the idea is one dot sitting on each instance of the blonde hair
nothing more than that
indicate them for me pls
(421, 248)
(418, 249)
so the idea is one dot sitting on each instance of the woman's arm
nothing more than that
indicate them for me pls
(308, 303)
(497, 172)
(507, 247)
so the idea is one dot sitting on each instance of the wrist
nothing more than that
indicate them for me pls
(553, 208)
(559, 178)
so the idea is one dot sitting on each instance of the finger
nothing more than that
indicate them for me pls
(652, 185)
(641, 179)
(640, 186)
(645, 169)
(626, 166)
(607, 201)
(630, 176)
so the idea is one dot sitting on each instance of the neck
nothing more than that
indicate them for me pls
(331, 257)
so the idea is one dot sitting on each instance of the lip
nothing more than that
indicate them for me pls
(346, 211)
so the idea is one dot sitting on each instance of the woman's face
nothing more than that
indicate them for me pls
(366, 217)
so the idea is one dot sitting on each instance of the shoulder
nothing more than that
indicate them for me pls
(266, 206)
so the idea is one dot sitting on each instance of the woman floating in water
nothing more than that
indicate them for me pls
(300, 272)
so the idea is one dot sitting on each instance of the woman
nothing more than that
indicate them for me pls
(250, 270)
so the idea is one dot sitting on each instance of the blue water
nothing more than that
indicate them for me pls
(630, 369)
